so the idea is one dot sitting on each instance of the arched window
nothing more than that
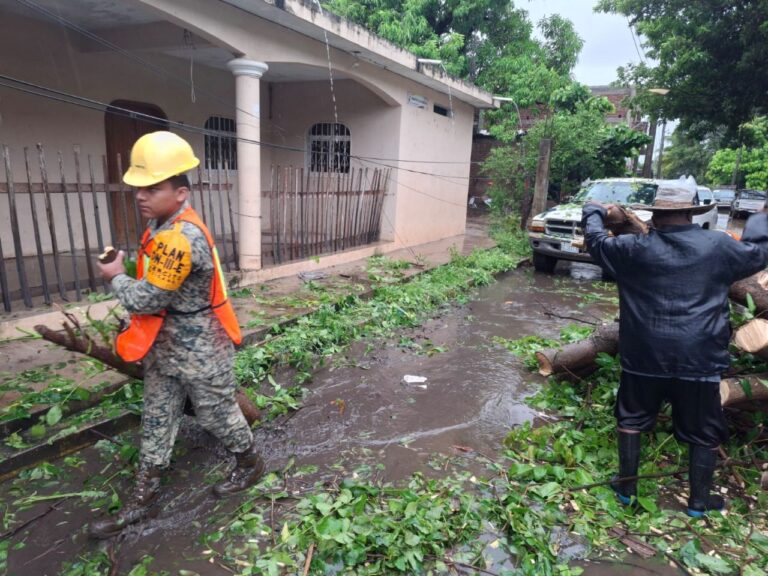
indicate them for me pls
(329, 147)
(220, 147)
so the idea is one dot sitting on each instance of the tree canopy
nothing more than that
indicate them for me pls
(492, 43)
(712, 56)
(753, 163)
(488, 42)
(584, 146)
(689, 155)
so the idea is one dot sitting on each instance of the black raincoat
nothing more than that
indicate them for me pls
(673, 291)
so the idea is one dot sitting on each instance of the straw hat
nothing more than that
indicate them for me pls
(677, 196)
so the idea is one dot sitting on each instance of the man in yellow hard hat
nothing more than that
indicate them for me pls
(182, 327)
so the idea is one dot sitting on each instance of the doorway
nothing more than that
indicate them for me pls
(125, 122)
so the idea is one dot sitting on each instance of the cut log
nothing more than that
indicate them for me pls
(753, 338)
(74, 339)
(579, 358)
(748, 389)
(757, 287)
(620, 220)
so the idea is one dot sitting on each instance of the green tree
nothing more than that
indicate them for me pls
(712, 55)
(753, 164)
(561, 43)
(690, 155)
(489, 42)
(583, 146)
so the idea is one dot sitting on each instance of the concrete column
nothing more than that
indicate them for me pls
(248, 113)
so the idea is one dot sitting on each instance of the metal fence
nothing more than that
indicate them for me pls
(62, 212)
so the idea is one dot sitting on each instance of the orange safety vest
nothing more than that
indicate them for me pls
(135, 342)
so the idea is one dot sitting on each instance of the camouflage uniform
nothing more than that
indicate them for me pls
(192, 355)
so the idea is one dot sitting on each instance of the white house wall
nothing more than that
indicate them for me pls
(438, 209)
(372, 102)
(43, 54)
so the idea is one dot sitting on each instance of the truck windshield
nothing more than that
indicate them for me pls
(752, 195)
(724, 194)
(618, 193)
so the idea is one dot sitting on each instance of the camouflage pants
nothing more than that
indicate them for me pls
(215, 409)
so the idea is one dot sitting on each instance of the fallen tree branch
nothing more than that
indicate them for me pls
(77, 340)
(579, 358)
(84, 344)
(15, 530)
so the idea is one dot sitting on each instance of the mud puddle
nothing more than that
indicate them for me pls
(359, 418)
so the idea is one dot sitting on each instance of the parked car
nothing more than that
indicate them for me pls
(748, 202)
(724, 197)
(705, 195)
(556, 234)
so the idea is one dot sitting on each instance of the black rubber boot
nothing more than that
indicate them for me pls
(629, 460)
(138, 508)
(248, 469)
(700, 473)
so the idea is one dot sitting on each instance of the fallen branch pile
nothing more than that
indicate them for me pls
(77, 339)
(578, 359)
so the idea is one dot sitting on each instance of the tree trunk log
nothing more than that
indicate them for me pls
(619, 221)
(732, 392)
(764, 481)
(84, 344)
(578, 358)
(757, 287)
(753, 338)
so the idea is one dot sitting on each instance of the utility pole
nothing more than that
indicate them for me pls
(648, 163)
(735, 175)
(661, 149)
(542, 178)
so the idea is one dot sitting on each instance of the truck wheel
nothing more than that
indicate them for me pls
(544, 263)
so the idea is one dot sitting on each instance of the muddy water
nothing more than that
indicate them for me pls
(473, 393)
(359, 417)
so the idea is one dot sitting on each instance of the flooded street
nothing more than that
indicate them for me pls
(473, 392)
(360, 417)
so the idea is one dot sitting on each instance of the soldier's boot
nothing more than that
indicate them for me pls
(629, 460)
(700, 473)
(139, 507)
(248, 469)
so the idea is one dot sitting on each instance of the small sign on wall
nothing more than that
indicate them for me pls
(418, 101)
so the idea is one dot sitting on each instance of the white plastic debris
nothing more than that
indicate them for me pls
(411, 379)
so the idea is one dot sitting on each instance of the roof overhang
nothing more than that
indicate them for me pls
(306, 18)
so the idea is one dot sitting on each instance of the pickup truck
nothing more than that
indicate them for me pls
(748, 202)
(556, 234)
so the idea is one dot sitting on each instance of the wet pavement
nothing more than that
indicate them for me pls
(359, 417)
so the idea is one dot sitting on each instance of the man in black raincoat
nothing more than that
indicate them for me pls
(674, 328)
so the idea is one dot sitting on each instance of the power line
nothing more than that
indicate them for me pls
(96, 105)
(163, 73)
(158, 70)
(634, 41)
(123, 112)
(425, 193)
(82, 101)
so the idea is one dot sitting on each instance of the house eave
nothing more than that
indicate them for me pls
(304, 17)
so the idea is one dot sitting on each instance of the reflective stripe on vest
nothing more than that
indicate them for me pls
(135, 342)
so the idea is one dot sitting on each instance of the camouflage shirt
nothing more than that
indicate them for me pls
(192, 341)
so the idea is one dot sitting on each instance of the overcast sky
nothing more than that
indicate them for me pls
(607, 38)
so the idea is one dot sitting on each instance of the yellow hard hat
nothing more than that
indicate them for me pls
(158, 156)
